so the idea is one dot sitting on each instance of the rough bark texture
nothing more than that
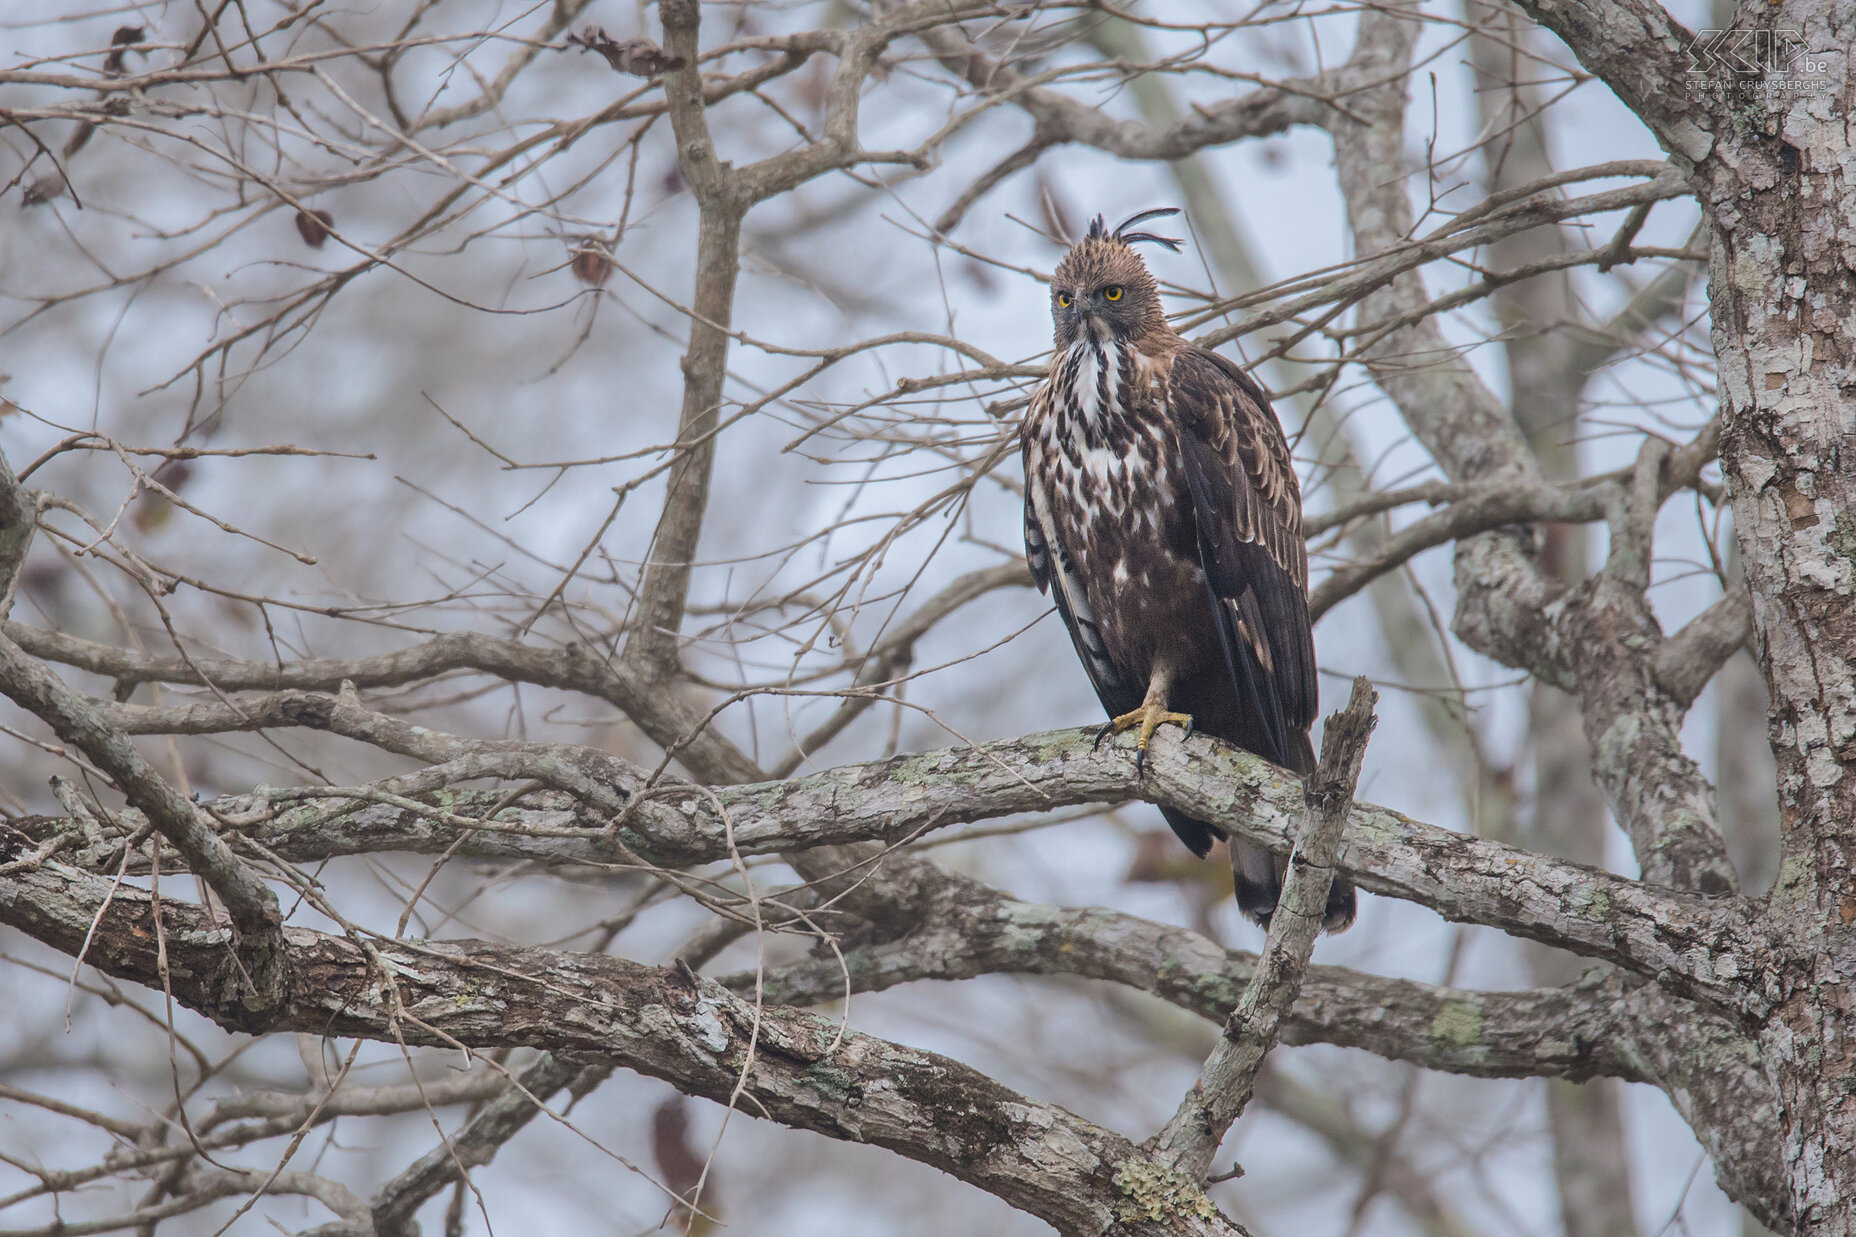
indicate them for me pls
(1783, 283)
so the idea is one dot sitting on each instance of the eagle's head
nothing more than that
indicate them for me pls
(1102, 288)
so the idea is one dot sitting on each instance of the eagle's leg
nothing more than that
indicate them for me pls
(1149, 717)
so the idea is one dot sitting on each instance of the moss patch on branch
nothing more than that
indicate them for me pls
(1150, 1191)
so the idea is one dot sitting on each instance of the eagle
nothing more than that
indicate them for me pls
(1164, 518)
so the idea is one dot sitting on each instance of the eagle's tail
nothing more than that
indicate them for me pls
(1196, 834)
(1259, 874)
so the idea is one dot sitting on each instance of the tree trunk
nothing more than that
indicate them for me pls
(1781, 196)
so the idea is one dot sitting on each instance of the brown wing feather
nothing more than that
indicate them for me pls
(1248, 509)
(1248, 506)
(1230, 413)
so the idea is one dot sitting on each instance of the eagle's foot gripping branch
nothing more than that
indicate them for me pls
(1149, 717)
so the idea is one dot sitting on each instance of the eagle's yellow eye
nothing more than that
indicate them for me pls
(1112, 293)
(1063, 300)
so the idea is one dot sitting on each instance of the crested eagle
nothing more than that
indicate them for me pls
(1163, 515)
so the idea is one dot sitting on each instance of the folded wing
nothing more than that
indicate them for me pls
(1248, 510)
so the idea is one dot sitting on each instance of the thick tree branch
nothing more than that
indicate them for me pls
(973, 930)
(965, 928)
(1699, 944)
(1776, 191)
(1656, 791)
(800, 1070)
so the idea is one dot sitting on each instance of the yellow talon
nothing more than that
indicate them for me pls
(1149, 717)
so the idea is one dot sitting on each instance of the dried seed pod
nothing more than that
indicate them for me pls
(44, 189)
(78, 138)
(314, 226)
(591, 261)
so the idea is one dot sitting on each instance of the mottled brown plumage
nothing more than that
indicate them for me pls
(1163, 515)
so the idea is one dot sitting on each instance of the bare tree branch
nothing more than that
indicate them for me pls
(1222, 1090)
